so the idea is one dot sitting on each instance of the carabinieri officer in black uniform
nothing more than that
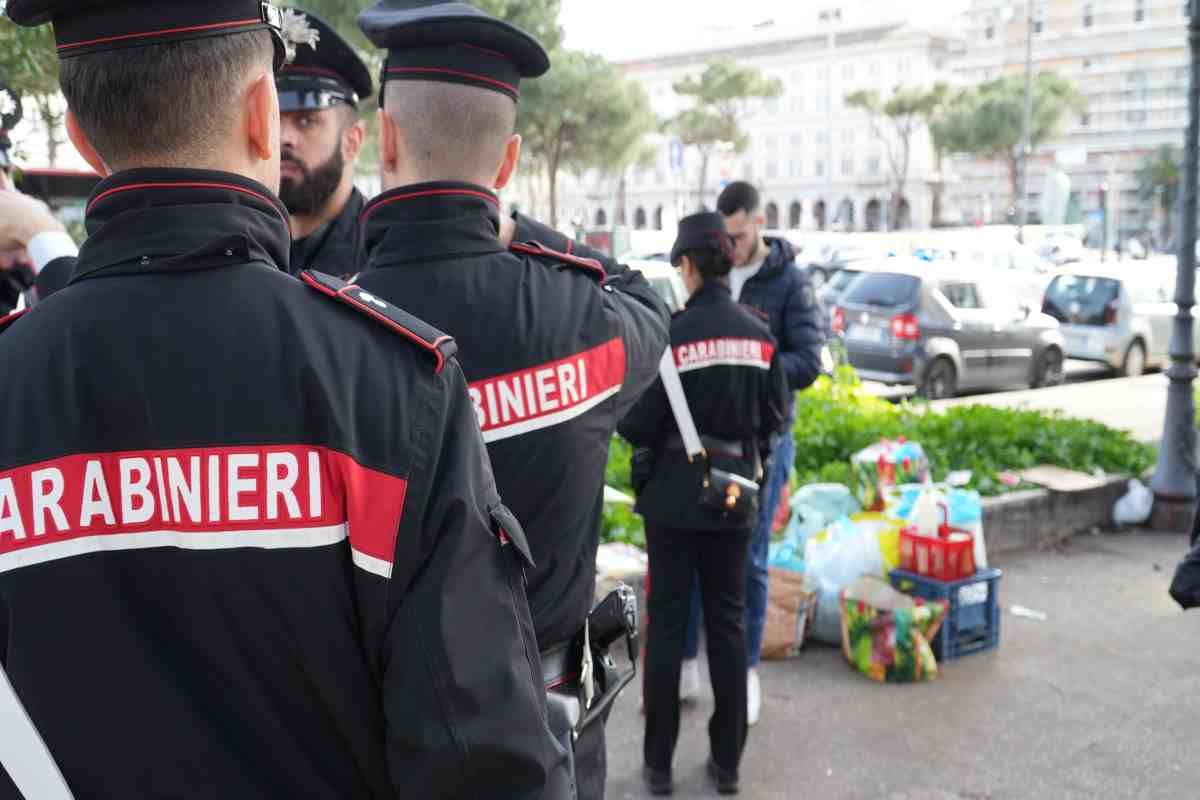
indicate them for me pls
(555, 347)
(320, 92)
(737, 391)
(250, 544)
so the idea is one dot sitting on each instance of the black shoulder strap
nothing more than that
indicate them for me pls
(428, 338)
(588, 265)
(9, 319)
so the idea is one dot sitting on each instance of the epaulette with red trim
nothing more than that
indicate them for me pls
(588, 265)
(9, 319)
(439, 345)
(756, 312)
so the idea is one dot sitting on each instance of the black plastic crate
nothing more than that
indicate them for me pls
(973, 620)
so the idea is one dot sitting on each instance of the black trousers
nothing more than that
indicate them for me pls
(719, 558)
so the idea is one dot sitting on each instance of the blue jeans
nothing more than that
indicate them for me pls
(779, 467)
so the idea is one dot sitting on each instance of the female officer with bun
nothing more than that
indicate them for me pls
(700, 509)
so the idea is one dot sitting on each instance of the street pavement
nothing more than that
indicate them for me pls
(1100, 701)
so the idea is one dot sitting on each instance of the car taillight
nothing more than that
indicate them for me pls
(838, 322)
(1110, 313)
(906, 327)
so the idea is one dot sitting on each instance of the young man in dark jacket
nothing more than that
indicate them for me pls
(766, 278)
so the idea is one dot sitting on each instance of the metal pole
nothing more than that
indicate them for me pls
(1026, 131)
(1175, 478)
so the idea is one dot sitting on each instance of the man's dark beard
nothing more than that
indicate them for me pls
(309, 194)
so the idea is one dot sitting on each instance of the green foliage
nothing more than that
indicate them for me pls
(28, 60)
(904, 112)
(837, 418)
(583, 115)
(986, 120)
(1158, 178)
(721, 98)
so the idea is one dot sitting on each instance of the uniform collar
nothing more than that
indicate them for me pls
(172, 220)
(711, 293)
(431, 221)
(335, 238)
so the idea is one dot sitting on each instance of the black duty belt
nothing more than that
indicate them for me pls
(561, 664)
(712, 445)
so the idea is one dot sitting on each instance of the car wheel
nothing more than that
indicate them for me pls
(1049, 370)
(1135, 361)
(941, 380)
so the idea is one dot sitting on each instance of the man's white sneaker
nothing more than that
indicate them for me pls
(753, 697)
(689, 680)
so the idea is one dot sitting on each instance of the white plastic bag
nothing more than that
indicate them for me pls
(1135, 507)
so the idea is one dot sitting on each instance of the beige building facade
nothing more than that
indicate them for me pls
(1127, 57)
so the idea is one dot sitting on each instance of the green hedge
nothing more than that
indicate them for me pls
(837, 417)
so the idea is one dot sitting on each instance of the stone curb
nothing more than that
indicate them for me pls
(1041, 518)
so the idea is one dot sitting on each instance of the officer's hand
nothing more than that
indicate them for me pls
(22, 217)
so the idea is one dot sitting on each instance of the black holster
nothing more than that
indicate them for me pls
(582, 679)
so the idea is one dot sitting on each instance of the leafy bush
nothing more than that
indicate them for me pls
(836, 418)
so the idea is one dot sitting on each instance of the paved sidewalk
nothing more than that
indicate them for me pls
(1100, 701)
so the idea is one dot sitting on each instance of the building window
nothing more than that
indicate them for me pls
(848, 71)
(658, 218)
(1039, 19)
(772, 170)
(1087, 15)
(1139, 11)
(848, 136)
(639, 218)
(794, 168)
(847, 165)
(873, 69)
(819, 168)
(795, 212)
(1135, 115)
(1085, 119)
(822, 137)
(797, 141)
(989, 30)
(772, 216)
(601, 218)
(873, 166)
(797, 104)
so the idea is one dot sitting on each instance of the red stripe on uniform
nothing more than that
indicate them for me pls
(272, 496)
(548, 394)
(165, 32)
(228, 187)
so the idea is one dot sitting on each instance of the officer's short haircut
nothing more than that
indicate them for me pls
(171, 104)
(738, 196)
(451, 131)
(710, 263)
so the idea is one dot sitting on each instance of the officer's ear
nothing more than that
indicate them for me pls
(389, 143)
(262, 118)
(84, 145)
(508, 167)
(352, 141)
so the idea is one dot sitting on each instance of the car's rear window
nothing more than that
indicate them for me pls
(842, 279)
(1081, 299)
(883, 290)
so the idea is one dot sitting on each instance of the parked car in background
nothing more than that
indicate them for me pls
(1018, 266)
(1119, 316)
(940, 329)
(834, 258)
(1060, 250)
(665, 280)
(840, 281)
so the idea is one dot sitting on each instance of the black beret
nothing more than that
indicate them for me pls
(428, 40)
(92, 26)
(703, 231)
(321, 74)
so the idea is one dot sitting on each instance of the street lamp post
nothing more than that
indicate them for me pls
(1026, 131)
(1174, 481)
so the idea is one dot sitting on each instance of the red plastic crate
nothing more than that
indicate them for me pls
(950, 557)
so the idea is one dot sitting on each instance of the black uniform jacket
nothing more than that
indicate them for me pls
(555, 351)
(734, 380)
(250, 545)
(334, 247)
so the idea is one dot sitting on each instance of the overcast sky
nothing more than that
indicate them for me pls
(620, 27)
